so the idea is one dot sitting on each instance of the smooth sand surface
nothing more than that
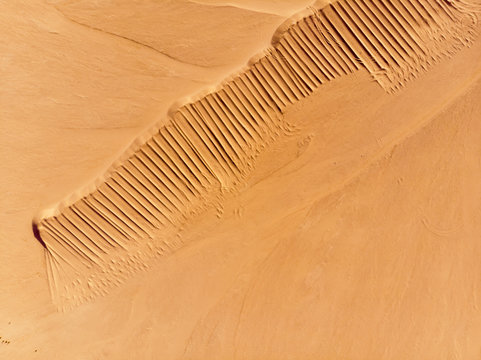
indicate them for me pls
(344, 227)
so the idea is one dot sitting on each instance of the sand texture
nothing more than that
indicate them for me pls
(241, 180)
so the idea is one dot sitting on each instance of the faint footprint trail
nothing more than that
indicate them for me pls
(208, 147)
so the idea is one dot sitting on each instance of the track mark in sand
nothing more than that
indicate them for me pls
(208, 147)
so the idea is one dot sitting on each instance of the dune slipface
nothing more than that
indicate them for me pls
(208, 147)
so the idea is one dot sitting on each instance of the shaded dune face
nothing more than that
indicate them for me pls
(208, 147)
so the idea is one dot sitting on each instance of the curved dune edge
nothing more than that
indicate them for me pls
(208, 146)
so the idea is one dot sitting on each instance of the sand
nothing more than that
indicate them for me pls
(252, 182)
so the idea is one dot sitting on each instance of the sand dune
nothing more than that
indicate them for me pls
(209, 146)
(321, 202)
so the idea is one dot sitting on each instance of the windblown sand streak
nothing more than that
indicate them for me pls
(209, 146)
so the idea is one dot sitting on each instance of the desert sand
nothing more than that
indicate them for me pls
(240, 179)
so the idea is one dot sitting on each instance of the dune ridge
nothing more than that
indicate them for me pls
(208, 148)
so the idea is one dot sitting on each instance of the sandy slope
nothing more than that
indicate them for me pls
(356, 237)
(73, 98)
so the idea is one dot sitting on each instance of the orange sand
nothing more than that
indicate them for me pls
(355, 234)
